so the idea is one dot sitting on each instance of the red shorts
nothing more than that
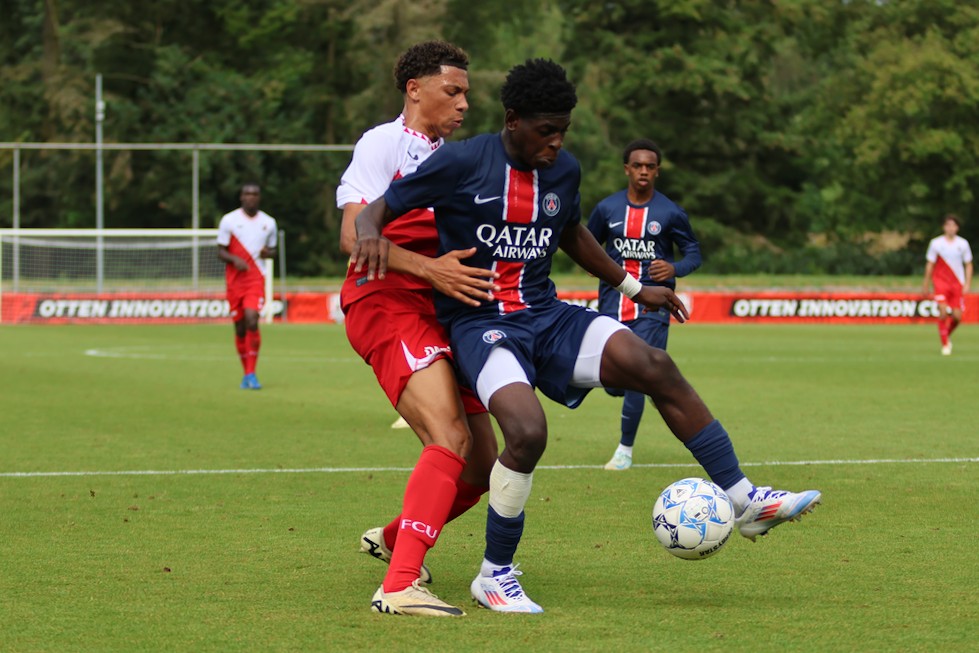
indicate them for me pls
(396, 333)
(241, 297)
(951, 295)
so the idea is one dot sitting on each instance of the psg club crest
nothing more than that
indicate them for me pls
(493, 336)
(654, 228)
(551, 204)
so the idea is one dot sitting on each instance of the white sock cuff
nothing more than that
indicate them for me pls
(509, 490)
(738, 493)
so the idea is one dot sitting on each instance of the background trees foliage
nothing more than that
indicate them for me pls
(801, 136)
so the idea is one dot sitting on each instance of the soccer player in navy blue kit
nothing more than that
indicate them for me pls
(513, 196)
(640, 227)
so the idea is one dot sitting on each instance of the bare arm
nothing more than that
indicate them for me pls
(348, 230)
(584, 250)
(968, 278)
(446, 273)
(225, 255)
(926, 284)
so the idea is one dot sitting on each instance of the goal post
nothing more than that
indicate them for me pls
(103, 265)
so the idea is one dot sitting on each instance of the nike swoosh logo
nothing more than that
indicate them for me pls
(484, 200)
(417, 364)
(413, 156)
(613, 225)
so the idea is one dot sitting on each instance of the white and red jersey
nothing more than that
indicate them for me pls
(245, 236)
(387, 152)
(950, 258)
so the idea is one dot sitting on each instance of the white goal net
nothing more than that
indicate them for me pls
(112, 263)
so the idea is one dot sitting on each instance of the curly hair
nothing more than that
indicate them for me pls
(538, 87)
(642, 144)
(423, 59)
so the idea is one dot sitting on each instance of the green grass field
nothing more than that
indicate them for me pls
(148, 504)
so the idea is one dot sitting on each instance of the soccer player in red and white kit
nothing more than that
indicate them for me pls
(390, 322)
(949, 270)
(245, 237)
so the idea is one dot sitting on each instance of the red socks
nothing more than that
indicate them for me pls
(952, 325)
(253, 341)
(467, 496)
(944, 329)
(429, 496)
(242, 352)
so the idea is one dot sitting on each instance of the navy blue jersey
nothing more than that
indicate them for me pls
(634, 236)
(511, 214)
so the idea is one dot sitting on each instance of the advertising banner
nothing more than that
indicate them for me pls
(324, 307)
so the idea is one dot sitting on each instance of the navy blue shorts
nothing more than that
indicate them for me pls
(545, 340)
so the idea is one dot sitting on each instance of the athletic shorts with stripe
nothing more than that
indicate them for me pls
(950, 294)
(396, 333)
(244, 295)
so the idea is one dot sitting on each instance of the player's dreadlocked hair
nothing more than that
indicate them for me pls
(427, 59)
(642, 144)
(538, 87)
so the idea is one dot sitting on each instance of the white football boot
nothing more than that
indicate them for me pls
(620, 461)
(502, 592)
(768, 508)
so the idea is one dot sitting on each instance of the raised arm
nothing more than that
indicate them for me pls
(578, 243)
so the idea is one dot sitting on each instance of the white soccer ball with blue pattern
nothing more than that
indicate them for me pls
(693, 518)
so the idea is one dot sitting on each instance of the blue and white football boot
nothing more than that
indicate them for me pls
(768, 508)
(502, 592)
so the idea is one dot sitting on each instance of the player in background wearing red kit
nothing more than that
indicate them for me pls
(949, 270)
(390, 321)
(245, 237)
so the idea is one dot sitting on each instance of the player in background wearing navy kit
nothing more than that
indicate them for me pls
(949, 270)
(514, 197)
(639, 227)
(391, 323)
(245, 237)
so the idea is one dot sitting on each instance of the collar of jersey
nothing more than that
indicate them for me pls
(408, 130)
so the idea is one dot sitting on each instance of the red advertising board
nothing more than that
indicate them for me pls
(805, 307)
(152, 308)
(323, 307)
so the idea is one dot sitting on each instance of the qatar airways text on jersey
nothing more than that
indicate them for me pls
(512, 215)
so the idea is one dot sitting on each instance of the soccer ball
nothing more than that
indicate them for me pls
(693, 518)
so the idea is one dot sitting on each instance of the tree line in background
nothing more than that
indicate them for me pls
(801, 136)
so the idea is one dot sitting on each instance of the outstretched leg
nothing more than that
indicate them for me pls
(629, 363)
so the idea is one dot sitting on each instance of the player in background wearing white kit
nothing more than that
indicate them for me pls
(245, 237)
(949, 270)
(390, 322)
